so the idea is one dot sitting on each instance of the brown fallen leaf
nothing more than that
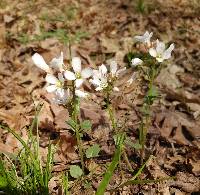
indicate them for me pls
(176, 126)
(92, 112)
(187, 182)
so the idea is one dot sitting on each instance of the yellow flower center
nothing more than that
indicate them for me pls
(78, 75)
(59, 84)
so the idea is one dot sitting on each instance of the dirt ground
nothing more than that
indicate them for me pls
(100, 31)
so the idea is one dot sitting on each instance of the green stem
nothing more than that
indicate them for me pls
(110, 112)
(70, 51)
(75, 112)
(127, 161)
(80, 148)
(135, 176)
(146, 118)
(112, 118)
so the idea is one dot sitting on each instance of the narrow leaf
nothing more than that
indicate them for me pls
(106, 179)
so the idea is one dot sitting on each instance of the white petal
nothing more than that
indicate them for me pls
(39, 62)
(102, 69)
(133, 78)
(69, 75)
(61, 96)
(145, 38)
(57, 62)
(60, 92)
(115, 89)
(152, 52)
(95, 82)
(86, 73)
(160, 47)
(167, 53)
(148, 41)
(78, 82)
(76, 64)
(138, 38)
(51, 88)
(147, 35)
(113, 67)
(130, 81)
(60, 77)
(98, 88)
(120, 71)
(136, 61)
(96, 73)
(51, 79)
(150, 34)
(81, 94)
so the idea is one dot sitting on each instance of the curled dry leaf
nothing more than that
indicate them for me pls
(187, 182)
(93, 113)
(176, 126)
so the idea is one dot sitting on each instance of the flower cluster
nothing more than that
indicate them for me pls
(156, 49)
(58, 76)
(103, 79)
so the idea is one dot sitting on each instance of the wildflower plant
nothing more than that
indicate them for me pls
(153, 56)
(104, 80)
(65, 82)
(23, 173)
(66, 88)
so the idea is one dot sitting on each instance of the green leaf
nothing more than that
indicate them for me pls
(113, 165)
(87, 184)
(81, 135)
(117, 139)
(72, 124)
(135, 145)
(153, 92)
(93, 151)
(135, 176)
(75, 171)
(3, 182)
(86, 125)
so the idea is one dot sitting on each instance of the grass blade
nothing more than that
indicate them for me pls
(17, 137)
(106, 179)
(65, 183)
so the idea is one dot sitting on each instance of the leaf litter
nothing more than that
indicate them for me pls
(174, 138)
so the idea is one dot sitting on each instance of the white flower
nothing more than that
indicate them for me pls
(160, 53)
(58, 63)
(55, 85)
(136, 61)
(81, 94)
(145, 38)
(113, 69)
(133, 78)
(101, 77)
(115, 89)
(40, 62)
(61, 97)
(78, 75)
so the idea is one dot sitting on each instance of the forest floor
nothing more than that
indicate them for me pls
(104, 30)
